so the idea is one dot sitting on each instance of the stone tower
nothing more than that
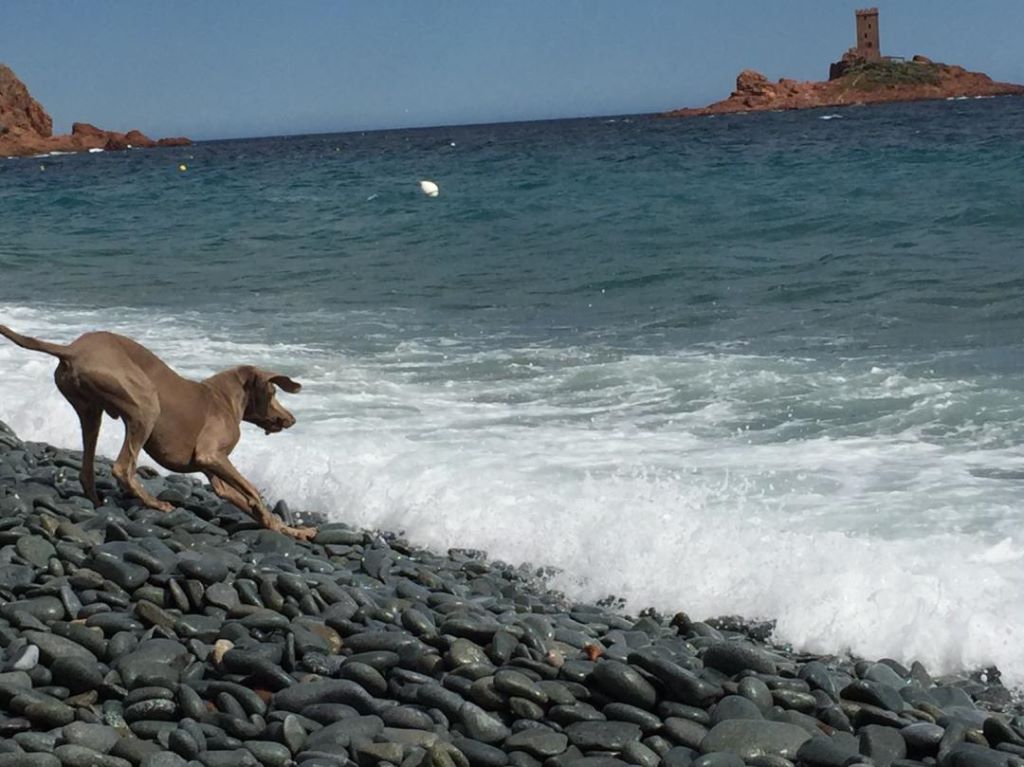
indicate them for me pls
(867, 34)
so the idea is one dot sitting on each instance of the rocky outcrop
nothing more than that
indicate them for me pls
(26, 128)
(856, 82)
(18, 110)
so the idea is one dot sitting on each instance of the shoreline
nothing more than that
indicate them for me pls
(127, 632)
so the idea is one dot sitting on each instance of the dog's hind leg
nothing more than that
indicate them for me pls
(136, 432)
(90, 416)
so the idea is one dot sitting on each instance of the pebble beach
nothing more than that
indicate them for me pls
(132, 637)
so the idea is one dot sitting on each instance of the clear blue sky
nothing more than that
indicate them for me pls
(228, 68)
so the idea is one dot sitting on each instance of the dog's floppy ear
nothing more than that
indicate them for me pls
(284, 382)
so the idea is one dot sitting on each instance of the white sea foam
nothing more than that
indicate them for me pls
(707, 482)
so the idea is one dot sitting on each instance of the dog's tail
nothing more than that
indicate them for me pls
(34, 344)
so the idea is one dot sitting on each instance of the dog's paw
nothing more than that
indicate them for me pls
(163, 506)
(299, 533)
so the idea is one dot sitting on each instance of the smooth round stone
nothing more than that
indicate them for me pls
(203, 568)
(641, 754)
(922, 736)
(624, 683)
(36, 741)
(882, 744)
(479, 628)
(222, 595)
(480, 754)
(98, 737)
(795, 700)
(124, 574)
(292, 585)
(45, 608)
(669, 708)
(236, 758)
(339, 537)
(521, 708)
(156, 662)
(183, 743)
(91, 639)
(685, 732)
(25, 659)
(266, 620)
(29, 760)
(48, 713)
(72, 604)
(368, 677)
(749, 738)
(679, 756)
(757, 691)
(625, 712)
(203, 627)
(735, 707)
(16, 575)
(516, 683)
(464, 652)
(949, 696)
(823, 751)
(733, 657)
(378, 753)
(683, 685)
(480, 725)
(79, 756)
(875, 694)
(269, 753)
(293, 733)
(35, 550)
(343, 732)
(998, 732)
(973, 755)
(539, 742)
(154, 615)
(718, 759)
(575, 712)
(585, 761)
(163, 759)
(148, 693)
(299, 697)
(111, 623)
(602, 736)
(406, 717)
(418, 622)
(192, 705)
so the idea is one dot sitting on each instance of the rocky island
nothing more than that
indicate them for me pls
(27, 129)
(862, 76)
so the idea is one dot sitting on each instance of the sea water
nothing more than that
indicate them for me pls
(766, 365)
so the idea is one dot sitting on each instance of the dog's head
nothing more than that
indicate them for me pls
(261, 405)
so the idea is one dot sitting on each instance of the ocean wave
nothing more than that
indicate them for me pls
(837, 501)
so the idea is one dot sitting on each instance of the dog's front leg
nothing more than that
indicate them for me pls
(239, 489)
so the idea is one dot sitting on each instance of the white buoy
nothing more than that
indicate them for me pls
(430, 189)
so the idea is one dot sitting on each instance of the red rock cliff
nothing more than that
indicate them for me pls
(26, 128)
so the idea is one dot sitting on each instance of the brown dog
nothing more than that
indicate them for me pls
(184, 425)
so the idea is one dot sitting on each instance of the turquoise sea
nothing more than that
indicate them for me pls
(767, 365)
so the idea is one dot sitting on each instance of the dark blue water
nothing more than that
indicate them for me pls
(773, 357)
